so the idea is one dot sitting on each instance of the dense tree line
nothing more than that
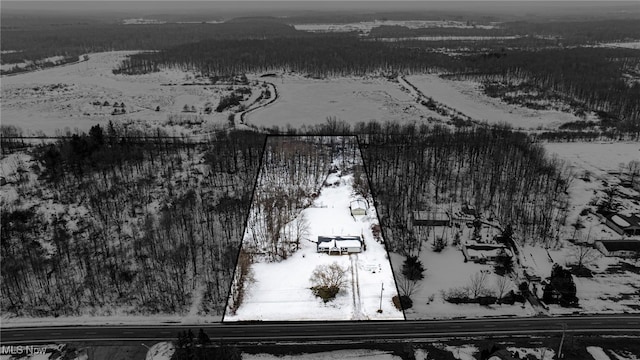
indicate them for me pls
(562, 33)
(45, 40)
(320, 55)
(592, 78)
(498, 170)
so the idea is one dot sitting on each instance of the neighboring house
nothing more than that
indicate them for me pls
(619, 248)
(339, 244)
(431, 218)
(358, 207)
(622, 224)
(481, 253)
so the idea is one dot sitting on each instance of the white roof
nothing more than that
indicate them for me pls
(339, 243)
(620, 221)
(358, 204)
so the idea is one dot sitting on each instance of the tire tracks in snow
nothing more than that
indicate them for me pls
(355, 288)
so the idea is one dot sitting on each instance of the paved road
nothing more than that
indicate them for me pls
(326, 331)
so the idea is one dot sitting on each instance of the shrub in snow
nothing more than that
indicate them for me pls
(412, 268)
(328, 280)
(402, 302)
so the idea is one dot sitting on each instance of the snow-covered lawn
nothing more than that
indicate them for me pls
(330, 355)
(445, 271)
(467, 97)
(304, 101)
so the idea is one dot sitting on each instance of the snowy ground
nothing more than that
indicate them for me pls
(281, 290)
(467, 97)
(304, 101)
(62, 97)
(161, 351)
(447, 270)
(595, 164)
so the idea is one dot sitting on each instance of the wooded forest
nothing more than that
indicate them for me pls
(146, 231)
(154, 225)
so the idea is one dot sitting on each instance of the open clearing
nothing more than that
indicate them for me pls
(468, 98)
(74, 96)
(305, 101)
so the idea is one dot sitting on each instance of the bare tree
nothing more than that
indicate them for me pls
(477, 284)
(502, 283)
(330, 276)
(407, 286)
(582, 256)
(328, 281)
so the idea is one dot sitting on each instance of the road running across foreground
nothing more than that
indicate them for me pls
(628, 325)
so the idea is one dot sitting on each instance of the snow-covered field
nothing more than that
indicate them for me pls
(467, 97)
(364, 27)
(305, 101)
(282, 290)
(595, 157)
(63, 97)
(445, 271)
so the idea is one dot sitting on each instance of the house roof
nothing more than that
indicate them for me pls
(621, 245)
(624, 221)
(358, 204)
(328, 242)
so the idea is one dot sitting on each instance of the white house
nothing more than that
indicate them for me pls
(339, 244)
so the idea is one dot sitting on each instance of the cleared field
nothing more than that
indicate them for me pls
(304, 101)
(82, 95)
(596, 157)
(467, 97)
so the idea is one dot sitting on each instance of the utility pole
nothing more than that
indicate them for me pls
(381, 290)
(564, 329)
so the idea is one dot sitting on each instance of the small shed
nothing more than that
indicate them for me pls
(339, 244)
(431, 218)
(358, 207)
